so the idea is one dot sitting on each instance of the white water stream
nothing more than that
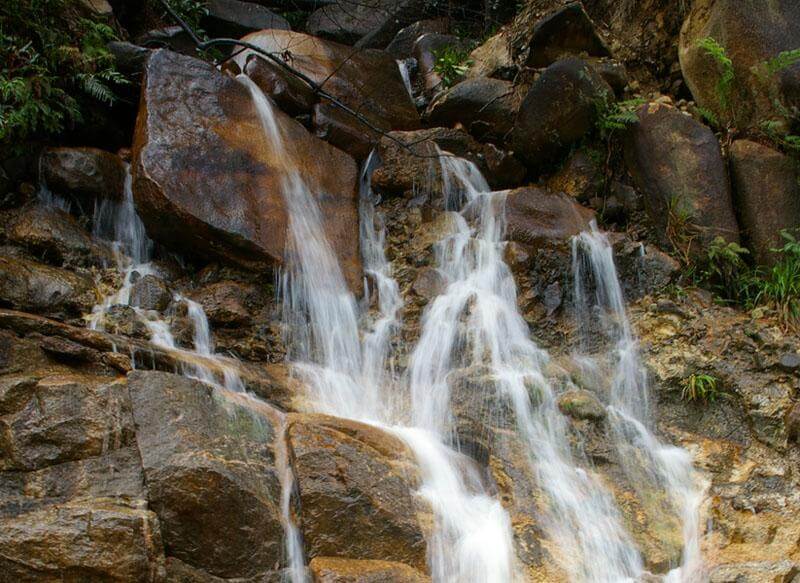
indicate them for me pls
(342, 354)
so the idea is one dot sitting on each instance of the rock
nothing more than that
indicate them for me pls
(30, 286)
(789, 361)
(150, 293)
(289, 93)
(537, 217)
(429, 283)
(403, 42)
(793, 424)
(485, 107)
(81, 542)
(766, 190)
(565, 31)
(66, 350)
(342, 130)
(59, 419)
(372, 22)
(336, 570)
(367, 81)
(209, 463)
(492, 58)
(751, 34)
(355, 484)
(613, 72)
(425, 51)
(226, 303)
(84, 174)
(233, 19)
(128, 57)
(401, 171)
(643, 269)
(191, 114)
(55, 236)
(124, 320)
(580, 177)
(677, 164)
(552, 298)
(173, 38)
(581, 404)
(756, 572)
(559, 109)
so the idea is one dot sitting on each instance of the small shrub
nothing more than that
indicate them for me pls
(616, 115)
(779, 287)
(727, 271)
(680, 230)
(725, 83)
(701, 387)
(451, 64)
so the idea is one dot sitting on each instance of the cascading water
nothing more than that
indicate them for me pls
(648, 463)
(476, 322)
(472, 542)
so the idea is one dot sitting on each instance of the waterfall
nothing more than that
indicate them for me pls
(647, 462)
(476, 322)
(118, 222)
(472, 542)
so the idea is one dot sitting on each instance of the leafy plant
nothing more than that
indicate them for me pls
(783, 60)
(191, 11)
(680, 228)
(779, 287)
(708, 116)
(616, 115)
(775, 131)
(726, 269)
(727, 75)
(701, 387)
(451, 64)
(54, 64)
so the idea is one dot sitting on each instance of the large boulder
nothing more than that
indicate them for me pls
(766, 188)
(404, 170)
(491, 58)
(56, 236)
(233, 18)
(209, 464)
(355, 484)
(42, 289)
(208, 181)
(403, 42)
(371, 23)
(289, 92)
(485, 107)
(536, 216)
(84, 174)
(559, 109)
(751, 32)
(677, 164)
(565, 31)
(367, 81)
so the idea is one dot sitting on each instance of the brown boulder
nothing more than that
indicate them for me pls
(766, 189)
(355, 484)
(536, 216)
(485, 107)
(55, 236)
(31, 286)
(290, 93)
(150, 293)
(209, 464)
(558, 110)
(226, 302)
(85, 174)
(491, 58)
(402, 171)
(580, 177)
(752, 32)
(339, 128)
(335, 570)
(233, 18)
(677, 164)
(82, 542)
(208, 181)
(565, 31)
(403, 42)
(367, 81)
(371, 23)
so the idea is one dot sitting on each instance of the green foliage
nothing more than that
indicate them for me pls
(616, 115)
(680, 228)
(727, 75)
(191, 11)
(451, 64)
(775, 131)
(708, 116)
(783, 60)
(728, 274)
(701, 387)
(54, 63)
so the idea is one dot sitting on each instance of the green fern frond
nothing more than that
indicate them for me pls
(783, 60)
(727, 74)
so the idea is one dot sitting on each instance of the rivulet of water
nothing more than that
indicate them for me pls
(650, 464)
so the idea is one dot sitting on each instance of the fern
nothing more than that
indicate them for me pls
(617, 115)
(727, 74)
(783, 60)
(708, 116)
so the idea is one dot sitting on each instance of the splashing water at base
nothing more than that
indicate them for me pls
(648, 463)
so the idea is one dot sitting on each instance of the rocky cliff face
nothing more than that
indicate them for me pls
(160, 412)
